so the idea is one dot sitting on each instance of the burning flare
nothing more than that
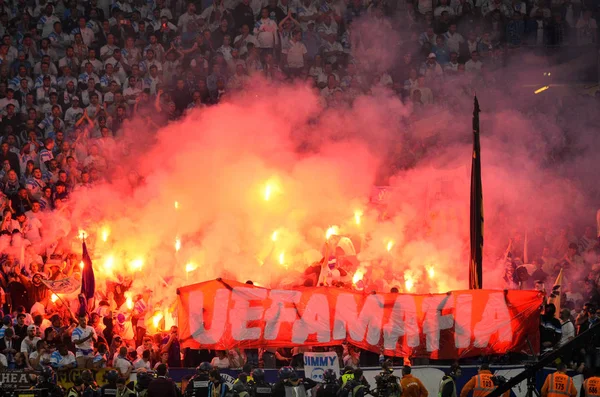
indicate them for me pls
(54, 298)
(190, 267)
(409, 283)
(82, 234)
(357, 215)
(274, 235)
(176, 205)
(137, 264)
(81, 265)
(156, 319)
(390, 245)
(431, 271)
(105, 233)
(282, 258)
(109, 263)
(358, 276)
(129, 301)
(177, 244)
(268, 191)
(332, 231)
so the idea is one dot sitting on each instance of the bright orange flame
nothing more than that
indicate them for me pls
(357, 215)
(82, 234)
(409, 283)
(358, 276)
(268, 189)
(129, 303)
(105, 233)
(431, 271)
(274, 235)
(156, 319)
(282, 258)
(109, 262)
(539, 90)
(176, 205)
(332, 231)
(81, 265)
(390, 245)
(190, 267)
(137, 264)
(177, 244)
(54, 298)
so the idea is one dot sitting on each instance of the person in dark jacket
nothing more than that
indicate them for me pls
(448, 382)
(12, 158)
(162, 386)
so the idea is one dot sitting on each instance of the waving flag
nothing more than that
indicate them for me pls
(476, 260)
(88, 281)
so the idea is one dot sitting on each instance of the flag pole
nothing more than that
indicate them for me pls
(476, 258)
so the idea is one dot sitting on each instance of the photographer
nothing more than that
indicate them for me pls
(355, 387)
(388, 385)
(331, 386)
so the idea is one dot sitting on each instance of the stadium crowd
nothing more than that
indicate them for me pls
(73, 74)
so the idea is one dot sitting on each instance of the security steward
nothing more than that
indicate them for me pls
(347, 375)
(559, 384)
(448, 382)
(591, 386)
(77, 389)
(258, 386)
(481, 384)
(110, 388)
(411, 385)
(330, 387)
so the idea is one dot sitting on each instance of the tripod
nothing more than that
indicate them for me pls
(531, 390)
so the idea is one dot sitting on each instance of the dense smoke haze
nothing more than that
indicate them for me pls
(249, 188)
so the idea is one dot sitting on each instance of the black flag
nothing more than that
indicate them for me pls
(476, 260)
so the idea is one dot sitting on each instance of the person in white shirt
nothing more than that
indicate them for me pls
(473, 65)
(296, 53)
(453, 39)
(243, 39)
(568, 329)
(443, 7)
(29, 344)
(143, 362)
(265, 31)
(62, 359)
(84, 337)
(221, 360)
(184, 19)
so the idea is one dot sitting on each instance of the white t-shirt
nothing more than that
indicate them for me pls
(86, 348)
(3, 361)
(295, 54)
(139, 363)
(29, 345)
(265, 31)
(58, 361)
(122, 365)
(220, 363)
(568, 332)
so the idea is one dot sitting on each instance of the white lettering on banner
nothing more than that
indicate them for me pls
(434, 321)
(495, 319)
(241, 312)
(438, 312)
(347, 319)
(198, 314)
(315, 319)
(403, 321)
(278, 313)
(462, 321)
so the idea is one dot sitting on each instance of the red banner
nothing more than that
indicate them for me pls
(224, 314)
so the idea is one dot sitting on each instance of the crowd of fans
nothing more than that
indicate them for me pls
(73, 73)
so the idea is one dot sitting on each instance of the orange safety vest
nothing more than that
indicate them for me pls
(560, 384)
(592, 386)
(483, 385)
